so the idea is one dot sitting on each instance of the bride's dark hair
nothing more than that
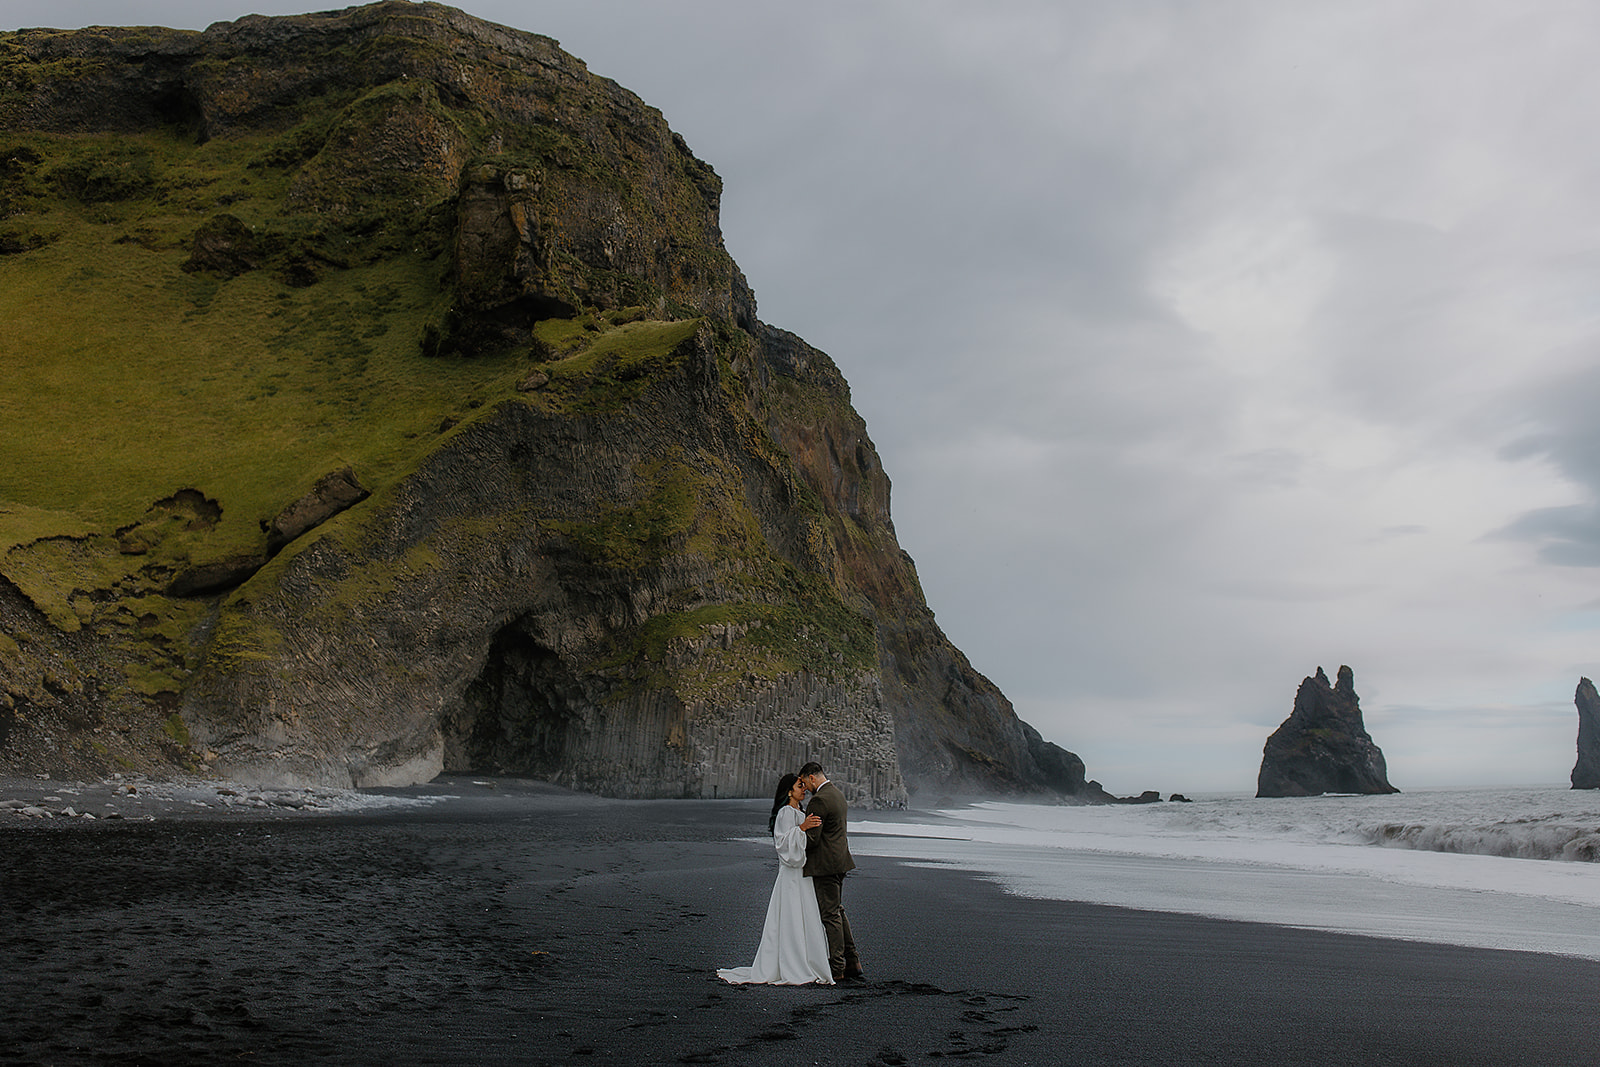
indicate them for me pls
(780, 798)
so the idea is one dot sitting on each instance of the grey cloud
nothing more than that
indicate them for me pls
(1567, 536)
(972, 207)
(1565, 416)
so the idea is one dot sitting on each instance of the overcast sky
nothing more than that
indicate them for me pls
(1206, 344)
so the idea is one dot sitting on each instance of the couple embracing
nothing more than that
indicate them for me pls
(807, 935)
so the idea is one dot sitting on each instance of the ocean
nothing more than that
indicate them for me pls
(1507, 868)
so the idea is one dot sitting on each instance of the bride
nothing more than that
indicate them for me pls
(794, 948)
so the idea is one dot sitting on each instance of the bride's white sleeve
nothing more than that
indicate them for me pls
(789, 839)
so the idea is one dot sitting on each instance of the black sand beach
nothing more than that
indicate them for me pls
(523, 924)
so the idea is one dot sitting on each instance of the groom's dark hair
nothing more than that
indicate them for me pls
(811, 768)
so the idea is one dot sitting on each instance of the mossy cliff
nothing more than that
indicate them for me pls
(380, 399)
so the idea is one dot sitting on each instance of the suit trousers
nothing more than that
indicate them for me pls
(842, 956)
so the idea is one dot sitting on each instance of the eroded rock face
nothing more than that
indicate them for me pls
(1323, 746)
(501, 644)
(668, 572)
(1586, 772)
(223, 246)
(333, 493)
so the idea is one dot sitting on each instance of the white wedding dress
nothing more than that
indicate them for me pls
(794, 947)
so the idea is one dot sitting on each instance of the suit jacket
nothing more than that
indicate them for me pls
(828, 845)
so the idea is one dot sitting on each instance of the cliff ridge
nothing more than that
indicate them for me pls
(420, 421)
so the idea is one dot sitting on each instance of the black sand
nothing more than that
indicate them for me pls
(526, 925)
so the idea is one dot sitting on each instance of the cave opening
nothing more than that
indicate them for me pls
(517, 716)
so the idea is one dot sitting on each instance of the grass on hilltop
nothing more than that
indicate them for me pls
(127, 378)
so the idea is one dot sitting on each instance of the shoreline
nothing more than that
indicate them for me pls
(541, 926)
(49, 801)
(1380, 896)
(42, 801)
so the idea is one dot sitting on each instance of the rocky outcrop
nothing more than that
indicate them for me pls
(214, 576)
(1586, 772)
(333, 493)
(653, 557)
(224, 246)
(544, 595)
(1323, 747)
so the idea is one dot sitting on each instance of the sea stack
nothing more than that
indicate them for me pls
(1586, 772)
(1323, 747)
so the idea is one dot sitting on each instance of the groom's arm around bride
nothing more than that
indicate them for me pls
(828, 860)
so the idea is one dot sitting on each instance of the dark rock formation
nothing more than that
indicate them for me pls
(1586, 772)
(224, 246)
(333, 493)
(214, 576)
(653, 558)
(1322, 747)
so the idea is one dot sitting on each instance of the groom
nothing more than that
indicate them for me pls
(827, 861)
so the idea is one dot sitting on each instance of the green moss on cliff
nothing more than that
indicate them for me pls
(775, 618)
(610, 366)
(242, 642)
(26, 74)
(247, 389)
(370, 587)
(698, 651)
(632, 537)
(234, 302)
(70, 579)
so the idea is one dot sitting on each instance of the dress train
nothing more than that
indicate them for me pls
(794, 947)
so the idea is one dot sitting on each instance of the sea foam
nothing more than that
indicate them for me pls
(1473, 867)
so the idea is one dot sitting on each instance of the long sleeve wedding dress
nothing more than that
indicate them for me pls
(794, 948)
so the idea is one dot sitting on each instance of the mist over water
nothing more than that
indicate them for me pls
(1496, 868)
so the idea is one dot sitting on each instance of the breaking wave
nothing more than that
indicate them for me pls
(1375, 865)
(1547, 838)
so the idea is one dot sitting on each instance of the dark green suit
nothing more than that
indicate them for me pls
(828, 860)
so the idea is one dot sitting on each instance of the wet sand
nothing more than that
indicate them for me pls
(518, 923)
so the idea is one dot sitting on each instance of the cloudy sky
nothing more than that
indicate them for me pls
(1205, 343)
